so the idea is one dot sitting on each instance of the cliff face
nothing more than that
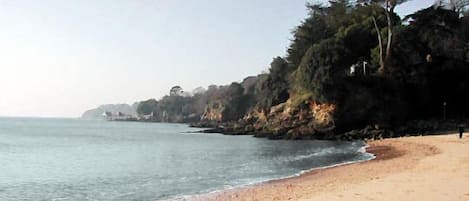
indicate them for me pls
(213, 112)
(307, 120)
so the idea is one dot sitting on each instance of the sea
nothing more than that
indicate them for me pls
(61, 159)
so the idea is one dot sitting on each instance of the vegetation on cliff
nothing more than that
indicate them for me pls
(350, 65)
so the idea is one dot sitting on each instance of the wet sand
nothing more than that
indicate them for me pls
(410, 168)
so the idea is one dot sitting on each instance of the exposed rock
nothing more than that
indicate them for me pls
(310, 120)
(213, 112)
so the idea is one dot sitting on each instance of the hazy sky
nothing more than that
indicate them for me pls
(60, 58)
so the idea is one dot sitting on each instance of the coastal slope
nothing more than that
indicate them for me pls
(410, 168)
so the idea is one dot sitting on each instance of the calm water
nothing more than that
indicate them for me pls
(68, 159)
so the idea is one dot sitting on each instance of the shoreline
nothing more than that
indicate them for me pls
(395, 158)
(363, 149)
(209, 195)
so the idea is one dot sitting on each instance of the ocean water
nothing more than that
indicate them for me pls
(73, 159)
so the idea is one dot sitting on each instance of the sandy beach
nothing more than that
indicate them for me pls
(410, 168)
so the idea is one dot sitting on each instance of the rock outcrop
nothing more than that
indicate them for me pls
(308, 120)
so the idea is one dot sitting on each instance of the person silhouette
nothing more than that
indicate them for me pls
(461, 130)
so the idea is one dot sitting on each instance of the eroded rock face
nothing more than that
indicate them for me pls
(323, 115)
(287, 121)
(213, 112)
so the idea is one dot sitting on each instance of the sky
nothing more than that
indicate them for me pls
(59, 58)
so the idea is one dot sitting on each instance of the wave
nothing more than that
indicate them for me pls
(323, 152)
(331, 150)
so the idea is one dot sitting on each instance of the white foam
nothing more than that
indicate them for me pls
(252, 183)
(320, 153)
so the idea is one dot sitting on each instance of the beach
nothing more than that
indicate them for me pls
(409, 168)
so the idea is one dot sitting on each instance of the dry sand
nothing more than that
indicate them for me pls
(411, 168)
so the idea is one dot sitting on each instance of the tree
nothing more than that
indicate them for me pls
(176, 91)
(459, 6)
(234, 102)
(388, 6)
(321, 23)
(312, 30)
(147, 107)
(441, 32)
(198, 90)
(273, 89)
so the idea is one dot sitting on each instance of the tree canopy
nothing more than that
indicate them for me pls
(408, 68)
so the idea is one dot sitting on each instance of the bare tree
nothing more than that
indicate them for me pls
(388, 6)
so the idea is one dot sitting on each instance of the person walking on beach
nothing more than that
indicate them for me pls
(461, 130)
